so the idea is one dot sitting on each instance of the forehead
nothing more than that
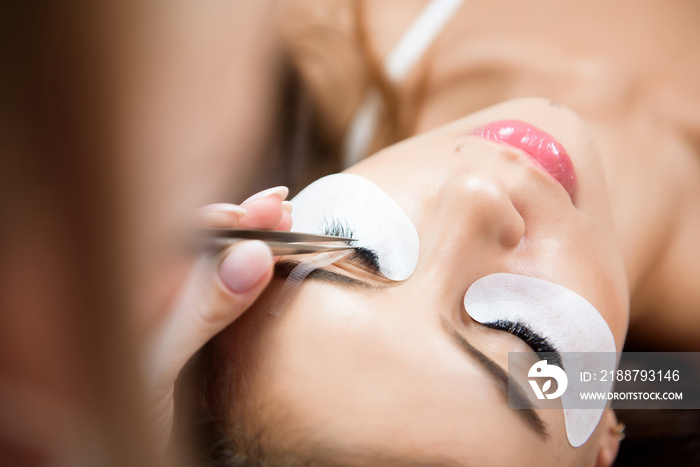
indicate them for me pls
(347, 366)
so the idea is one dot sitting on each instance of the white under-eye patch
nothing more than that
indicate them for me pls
(376, 221)
(568, 321)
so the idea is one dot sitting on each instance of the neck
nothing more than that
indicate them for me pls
(654, 185)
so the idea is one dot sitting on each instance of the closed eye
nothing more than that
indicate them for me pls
(362, 256)
(539, 344)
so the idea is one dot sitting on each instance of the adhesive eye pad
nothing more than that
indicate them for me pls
(568, 321)
(375, 219)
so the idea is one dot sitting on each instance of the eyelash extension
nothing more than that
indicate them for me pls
(362, 255)
(298, 274)
(535, 341)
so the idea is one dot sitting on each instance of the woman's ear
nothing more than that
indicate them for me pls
(612, 433)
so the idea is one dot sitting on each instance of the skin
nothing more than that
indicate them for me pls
(595, 81)
(625, 67)
(375, 369)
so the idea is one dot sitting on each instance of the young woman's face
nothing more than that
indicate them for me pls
(378, 367)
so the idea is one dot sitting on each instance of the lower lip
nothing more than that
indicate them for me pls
(547, 152)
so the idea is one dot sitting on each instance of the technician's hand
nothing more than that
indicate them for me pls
(217, 292)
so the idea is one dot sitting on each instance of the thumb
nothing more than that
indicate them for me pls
(211, 300)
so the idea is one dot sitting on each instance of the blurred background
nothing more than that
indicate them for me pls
(118, 120)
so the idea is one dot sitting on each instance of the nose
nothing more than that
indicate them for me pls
(474, 227)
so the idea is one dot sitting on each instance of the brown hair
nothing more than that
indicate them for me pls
(330, 66)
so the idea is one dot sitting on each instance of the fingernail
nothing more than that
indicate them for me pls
(287, 206)
(281, 191)
(221, 215)
(224, 212)
(243, 268)
(225, 207)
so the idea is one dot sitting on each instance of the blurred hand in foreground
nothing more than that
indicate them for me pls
(219, 289)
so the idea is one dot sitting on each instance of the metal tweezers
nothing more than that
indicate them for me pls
(280, 242)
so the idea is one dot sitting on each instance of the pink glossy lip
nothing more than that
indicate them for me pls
(546, 151)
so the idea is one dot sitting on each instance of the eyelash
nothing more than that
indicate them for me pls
(368, 258)
(535, 341)
(362, 255)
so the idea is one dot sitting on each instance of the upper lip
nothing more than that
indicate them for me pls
(541, 147)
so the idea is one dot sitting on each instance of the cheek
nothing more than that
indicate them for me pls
(568, 322)
(596, 269)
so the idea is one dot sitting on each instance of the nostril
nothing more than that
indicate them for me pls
(483, 202)
(513, 235)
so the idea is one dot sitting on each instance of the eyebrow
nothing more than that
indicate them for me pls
(505, 384)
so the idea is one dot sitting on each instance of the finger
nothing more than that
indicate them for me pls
(279, 191)
(286, 221)
(265, 213)
(220, 215)
(212, 299)
(264, 210)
